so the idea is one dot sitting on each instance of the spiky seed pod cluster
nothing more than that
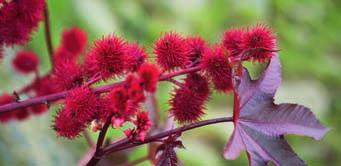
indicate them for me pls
(256, 43)
(171, 51)
(26, 62)
(187, 103)
(79, 110)
(111, 56)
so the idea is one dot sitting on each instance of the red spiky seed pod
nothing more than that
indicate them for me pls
(43, 86)
(199, 84)
(186, 105)
(67, 75)
(171, 51)
(74, 40)
(260, 42)
(19, 19)
(6, 98)
(81, 102)
(110, 55)
(66, 126)
(26, 61)
(62, 54)
(80, 105)
(149, 75)
(196, 47)
(232, 41)
(195, 92)
(143, 124)
(216, 66)
(136, 55)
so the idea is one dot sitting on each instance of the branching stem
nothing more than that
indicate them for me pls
(102, 89)
(126, 143)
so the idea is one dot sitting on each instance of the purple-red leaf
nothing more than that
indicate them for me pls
(261, 124)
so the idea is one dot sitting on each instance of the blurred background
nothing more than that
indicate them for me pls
(309, 39)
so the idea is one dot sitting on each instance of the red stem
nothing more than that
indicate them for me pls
(126, 143)
(98, 153)
(48, 34)
(60, 95)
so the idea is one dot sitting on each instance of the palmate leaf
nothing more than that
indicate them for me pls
(261, 124)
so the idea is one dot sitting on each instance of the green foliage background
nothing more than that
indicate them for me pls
(309, 40)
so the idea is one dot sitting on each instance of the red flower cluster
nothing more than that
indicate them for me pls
(67, 73)
(187, 103)
(18, 19)
(149, 75)
(125, 101)
(257, 43)
(142, 123)
(26, 61)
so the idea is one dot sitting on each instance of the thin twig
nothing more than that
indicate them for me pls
(102, 89)
(48, 38)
